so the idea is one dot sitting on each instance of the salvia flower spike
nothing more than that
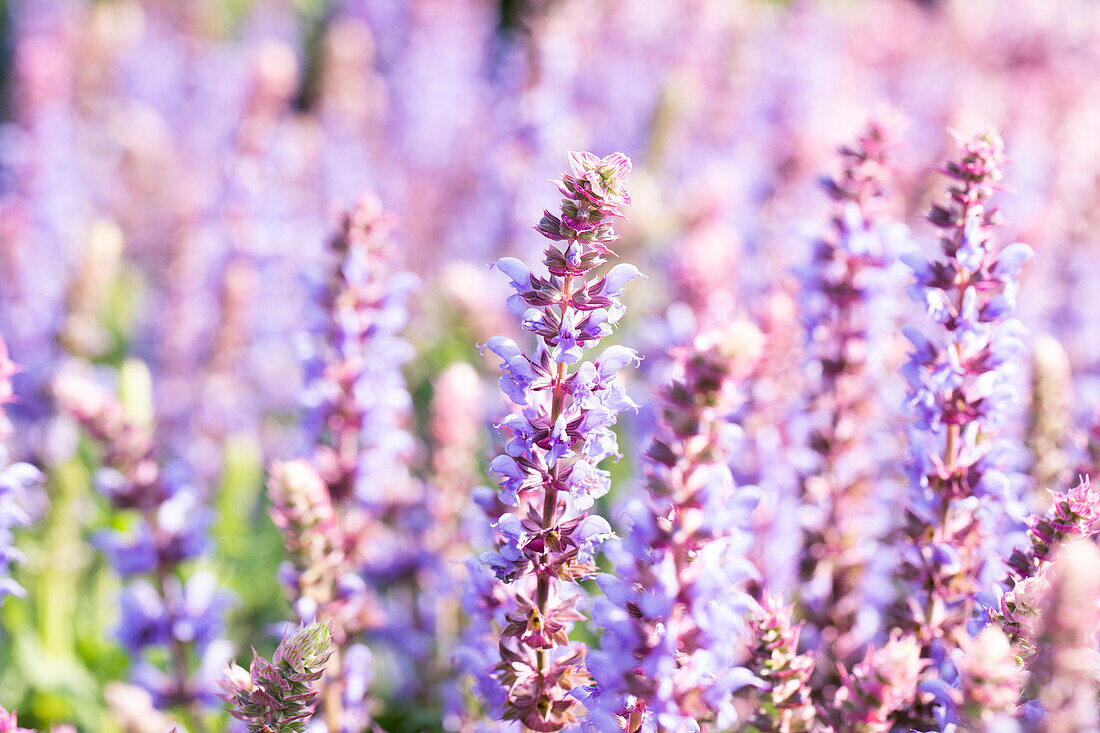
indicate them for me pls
(844, 304)
(962, 491)
(670, 654)
(1072, 514)
(549, 473)
(876, 688)
(279, 696)
(15, 479)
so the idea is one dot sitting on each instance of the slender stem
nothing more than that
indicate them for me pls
(550, 500)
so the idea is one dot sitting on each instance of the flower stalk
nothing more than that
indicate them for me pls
(960, 394)
(843, 301)
(670, 656)
(561, 430)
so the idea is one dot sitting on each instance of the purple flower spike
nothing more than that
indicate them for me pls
(844, 301)
(183, 619)
(1072, 515)
(548, 472)
(355, 391)
(15, 480)
(960, 390)
(358, 526)
(670, 657)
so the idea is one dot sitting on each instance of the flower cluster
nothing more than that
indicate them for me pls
(960, 473)
(990, 680)
(355, 392)
(669, 655)
(880, 685)
(167, 176)
(15, 479)
(159, 610)
(333, 509)
(785, 699)
(1072, 514)
(844, 300)
(279, 696)
(560, 432)
(593, 190)
(320, 573)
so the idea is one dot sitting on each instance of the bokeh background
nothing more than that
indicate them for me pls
(171, 171)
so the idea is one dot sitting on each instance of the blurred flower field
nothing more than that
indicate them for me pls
(538, 365)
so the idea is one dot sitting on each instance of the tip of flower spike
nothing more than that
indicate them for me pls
(293, 479)
(280, 691)
(365, 228)
(979, 159)
(580, 161)
(307, 647)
